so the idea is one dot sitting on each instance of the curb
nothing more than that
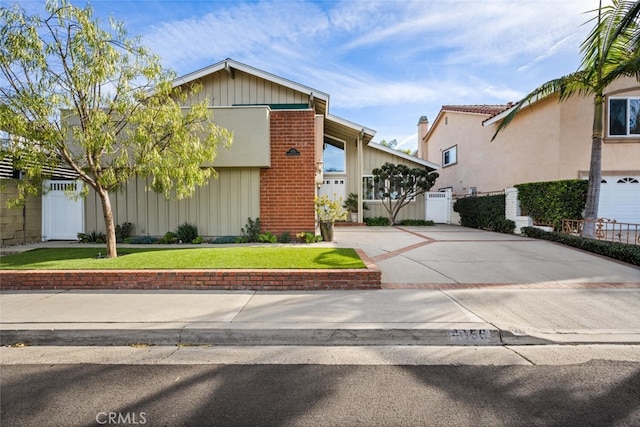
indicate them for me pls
(250, 337)
(299, 335)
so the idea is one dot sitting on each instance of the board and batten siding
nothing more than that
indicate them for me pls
(373, 158)
(244, 89)
(220, 208)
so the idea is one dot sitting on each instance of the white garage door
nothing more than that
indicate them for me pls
(620, 198)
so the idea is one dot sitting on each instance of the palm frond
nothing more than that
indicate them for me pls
(564, 87)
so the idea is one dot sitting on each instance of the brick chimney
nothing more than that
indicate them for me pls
(423, 128)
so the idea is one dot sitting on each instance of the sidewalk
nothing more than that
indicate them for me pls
(382, 317)
(445, 285)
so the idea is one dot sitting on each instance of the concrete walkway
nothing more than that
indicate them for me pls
(446, 285)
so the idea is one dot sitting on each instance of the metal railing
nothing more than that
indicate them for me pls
(605, 229)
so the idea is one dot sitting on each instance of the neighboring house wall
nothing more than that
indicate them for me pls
(19, 225)
(547, 141)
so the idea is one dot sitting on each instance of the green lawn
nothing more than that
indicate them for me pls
(187, 258)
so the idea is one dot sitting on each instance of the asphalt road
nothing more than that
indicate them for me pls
(597, 393)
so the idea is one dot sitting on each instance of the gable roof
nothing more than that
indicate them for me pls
(229, 65)
(429, 165)
(490, 110)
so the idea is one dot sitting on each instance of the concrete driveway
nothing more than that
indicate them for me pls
(443, 255)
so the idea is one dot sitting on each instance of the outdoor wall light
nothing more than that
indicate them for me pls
(292, 152)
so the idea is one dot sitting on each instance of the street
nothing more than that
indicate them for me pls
(471, 390)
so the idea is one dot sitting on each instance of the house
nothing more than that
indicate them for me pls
(287, 148)
(546, 141)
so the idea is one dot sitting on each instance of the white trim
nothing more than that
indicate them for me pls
(405, 156)
(628, 133)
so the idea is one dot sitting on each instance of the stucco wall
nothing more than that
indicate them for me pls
(548, 141)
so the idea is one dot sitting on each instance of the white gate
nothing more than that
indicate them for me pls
(62, 217)
(438, 206)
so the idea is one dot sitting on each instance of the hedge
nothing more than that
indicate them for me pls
(485, 213)
(615, 250)
(551, 202)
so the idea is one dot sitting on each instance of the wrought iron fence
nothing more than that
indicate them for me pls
(605, 229)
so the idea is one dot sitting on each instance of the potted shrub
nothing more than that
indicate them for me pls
(351, 205)
(328, 212)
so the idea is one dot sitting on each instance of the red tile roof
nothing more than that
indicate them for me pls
(490, 110)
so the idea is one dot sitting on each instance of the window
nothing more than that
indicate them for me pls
(371, 192)
(624, 116)
(450, 156)
(628, 181)
(333, 156)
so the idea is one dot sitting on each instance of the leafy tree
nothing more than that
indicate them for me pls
(73, 93)
(398, 184)
(610, 51)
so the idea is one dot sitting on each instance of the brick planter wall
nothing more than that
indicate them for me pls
(369, 278)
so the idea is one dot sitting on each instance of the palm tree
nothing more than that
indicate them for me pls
(611, 51)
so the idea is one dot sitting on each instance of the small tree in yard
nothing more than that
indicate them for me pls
(74, 93)
(397, 185)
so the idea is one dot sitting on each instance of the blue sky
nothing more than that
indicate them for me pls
(385, 63)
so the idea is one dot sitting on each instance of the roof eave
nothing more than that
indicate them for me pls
(405, 156)
(351, 125)
(222, 65)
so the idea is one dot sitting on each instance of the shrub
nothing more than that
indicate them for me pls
(284, 237)
(169, 238)
(308, 237)
(485, 213)
(141, 240)
(377, 221)
(222, 240)
(187, 233)
(615, 250)
(551, 202)
(416, 222)
(123, 231)
(251, 231)
(198, 240)
(503, 226)
(93, 237)
(267, 237)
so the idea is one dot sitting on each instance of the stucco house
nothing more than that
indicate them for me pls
(287, 148)
(546, 141)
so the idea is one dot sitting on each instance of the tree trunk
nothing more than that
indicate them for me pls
(595, 171)
(108, 223)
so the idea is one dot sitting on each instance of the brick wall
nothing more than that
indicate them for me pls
(22, 224)
(287, 188)
(347, 279)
